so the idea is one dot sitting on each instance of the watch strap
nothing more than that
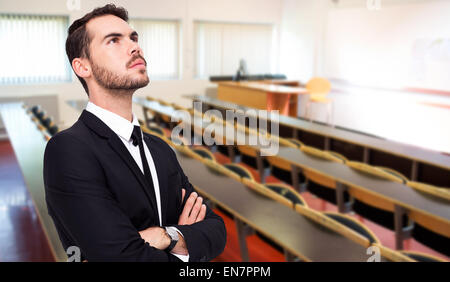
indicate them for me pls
(171, 245)
(173, 242)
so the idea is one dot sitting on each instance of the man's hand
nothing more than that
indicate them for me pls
(194, 209)
(156, 237)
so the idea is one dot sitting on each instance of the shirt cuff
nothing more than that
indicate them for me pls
(184, 258)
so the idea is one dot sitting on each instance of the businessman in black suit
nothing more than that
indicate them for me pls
(114, 192)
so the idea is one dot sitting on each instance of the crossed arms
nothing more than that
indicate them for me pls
(194, 211)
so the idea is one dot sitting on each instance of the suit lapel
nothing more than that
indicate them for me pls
(122, 151)
(104, 131)
(161, 171)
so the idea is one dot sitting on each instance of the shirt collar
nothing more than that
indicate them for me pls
(120, 126)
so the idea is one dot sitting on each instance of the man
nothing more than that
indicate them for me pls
(112, 191)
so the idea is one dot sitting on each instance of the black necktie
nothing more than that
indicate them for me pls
(136, 137)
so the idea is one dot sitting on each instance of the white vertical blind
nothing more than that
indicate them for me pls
(32, 49)
(220, 47)
(160, 42)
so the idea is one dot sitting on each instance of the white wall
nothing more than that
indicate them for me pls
(302, 30)
(251, 11)
(376, 47)
(344, 39)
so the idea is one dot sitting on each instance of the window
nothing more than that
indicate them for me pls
(33, 49)
(160, 42)
(220, 47)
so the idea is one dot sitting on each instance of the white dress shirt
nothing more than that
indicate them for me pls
(124, 129)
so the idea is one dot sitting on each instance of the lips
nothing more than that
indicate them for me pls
(138, 62)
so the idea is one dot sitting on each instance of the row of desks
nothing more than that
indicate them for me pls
(404, 197)
(298, 235)
(416, 163)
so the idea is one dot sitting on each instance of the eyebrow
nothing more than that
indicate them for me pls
(115, 34)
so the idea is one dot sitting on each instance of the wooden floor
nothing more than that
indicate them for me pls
(22, 238)
(21, 234)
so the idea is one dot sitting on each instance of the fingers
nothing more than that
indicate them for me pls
(194, 210)
(187, 209)
(183, 193)
(201, 214)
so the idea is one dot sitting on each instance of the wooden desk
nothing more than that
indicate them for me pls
(416, 163)
(293, 83)
(403, 197)
(262, 95)
(298, 235)
(29, 145)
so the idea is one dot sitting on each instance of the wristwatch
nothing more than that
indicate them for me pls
(174, 237)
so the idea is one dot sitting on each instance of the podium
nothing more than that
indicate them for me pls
(281, 95)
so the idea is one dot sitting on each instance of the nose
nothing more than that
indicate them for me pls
(135, 48)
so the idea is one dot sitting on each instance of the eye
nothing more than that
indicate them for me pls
(134, 38)
(113, 40)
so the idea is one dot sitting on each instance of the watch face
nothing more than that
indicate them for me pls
(172, 233)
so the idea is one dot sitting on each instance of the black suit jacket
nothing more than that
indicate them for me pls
(98, 198)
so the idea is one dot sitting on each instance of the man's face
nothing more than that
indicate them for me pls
(117, 60)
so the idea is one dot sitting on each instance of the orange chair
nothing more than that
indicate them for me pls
(318, 89)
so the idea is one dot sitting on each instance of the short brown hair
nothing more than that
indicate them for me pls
(78, 40)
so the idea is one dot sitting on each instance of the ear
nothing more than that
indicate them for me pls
(81, 67)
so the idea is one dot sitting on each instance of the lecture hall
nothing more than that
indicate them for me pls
(225, 130)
